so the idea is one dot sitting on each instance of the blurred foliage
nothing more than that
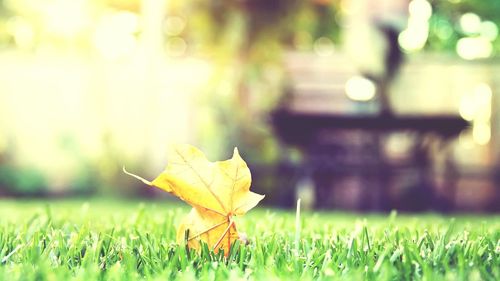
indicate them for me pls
(245, 41)
(19, 180)
(444, 29)
(16, 181)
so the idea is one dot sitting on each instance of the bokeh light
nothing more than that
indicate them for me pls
(414, 37)
(476, 106)
(489, 30)
(323, 46)
(360, 89)
(470, 23)
(420, 9)
(481, 133)
(470, 48)
(176, 46)
(174, 25)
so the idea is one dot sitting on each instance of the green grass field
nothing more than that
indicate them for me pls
(120, 240)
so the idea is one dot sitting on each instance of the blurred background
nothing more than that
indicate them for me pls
(350, 104)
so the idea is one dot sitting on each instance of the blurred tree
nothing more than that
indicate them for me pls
(246, 39)
(17, 179)
(445, 28)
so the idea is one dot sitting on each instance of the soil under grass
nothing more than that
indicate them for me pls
(129, 240)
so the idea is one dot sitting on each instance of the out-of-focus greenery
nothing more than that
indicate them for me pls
(444, 28)
(72, 240)
(243, 40)
(247, 40)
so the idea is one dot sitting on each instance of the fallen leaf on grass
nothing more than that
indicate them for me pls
(217, 191)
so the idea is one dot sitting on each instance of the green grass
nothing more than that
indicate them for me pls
(100, 240)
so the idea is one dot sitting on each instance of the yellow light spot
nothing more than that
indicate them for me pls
(481, 133)
(421, 9)
(360, 89)
(414, 37)
(482, 96)
(470, 23)
(323, 46)
(476, 105)
(489, 30)
(176, 46)
(174, 25)
(467, 107)
(470, 48)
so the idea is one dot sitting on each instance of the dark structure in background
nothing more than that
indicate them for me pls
(346, 150)
(340, 147)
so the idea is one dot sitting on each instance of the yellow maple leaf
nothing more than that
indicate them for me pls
(218, 191)
(204, 225)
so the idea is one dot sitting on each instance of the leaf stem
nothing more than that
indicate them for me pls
(137, 177)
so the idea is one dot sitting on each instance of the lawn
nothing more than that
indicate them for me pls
(130, 240)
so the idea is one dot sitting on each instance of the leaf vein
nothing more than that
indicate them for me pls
(202, 180)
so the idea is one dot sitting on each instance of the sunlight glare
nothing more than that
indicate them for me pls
(114, 37)
(489, 30)
(421, 9)
(360, 89)
(470, 48)
(470, 23)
